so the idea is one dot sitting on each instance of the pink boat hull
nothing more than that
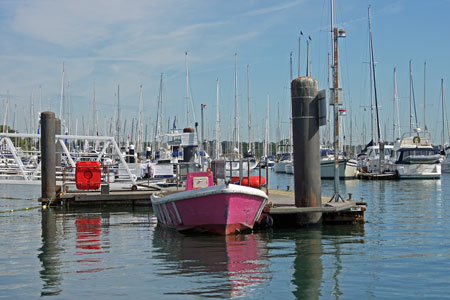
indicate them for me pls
(215, 210)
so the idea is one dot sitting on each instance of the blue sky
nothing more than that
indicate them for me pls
(132, 42)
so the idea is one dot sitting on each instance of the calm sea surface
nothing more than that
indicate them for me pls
(402, 252)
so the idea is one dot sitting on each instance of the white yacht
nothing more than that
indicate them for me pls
(414, 157)
(347, 167)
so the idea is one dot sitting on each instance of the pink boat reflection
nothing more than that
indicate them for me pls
(234, 264)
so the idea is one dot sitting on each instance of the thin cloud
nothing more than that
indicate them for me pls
(272, 9)
(393, 8)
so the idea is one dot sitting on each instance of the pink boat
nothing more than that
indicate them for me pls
(204, 207)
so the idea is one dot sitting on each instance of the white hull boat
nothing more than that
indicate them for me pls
(280, 167)
(347, 168)
(289, 168)
(414, 157)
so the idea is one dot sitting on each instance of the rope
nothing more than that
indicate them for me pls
(19, 209)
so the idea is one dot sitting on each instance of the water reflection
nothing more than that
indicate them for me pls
(233, 264)
(308, 269)
(88, 243)
(338, 243)
(49, 256)
(410, 187)
(319, 258)
(56, 228)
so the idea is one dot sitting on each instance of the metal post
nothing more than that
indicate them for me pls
(48, 181)
(241, 174)
(203, 130)
(259, 184)
(202, 145)
(178, 174)
(305, 128)
(267, 177)
(248, 171)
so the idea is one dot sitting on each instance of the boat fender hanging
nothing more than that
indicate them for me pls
(416, 140)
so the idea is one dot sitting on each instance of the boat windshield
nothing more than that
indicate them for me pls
(326, 152)
(417, 152)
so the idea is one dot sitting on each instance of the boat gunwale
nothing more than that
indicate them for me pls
(208, 191)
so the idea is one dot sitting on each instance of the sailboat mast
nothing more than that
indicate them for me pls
(236, 108)
(424, 94)
(395, 110)
(118, 115)
(218, 138)
(61, 103)
(94, 114)
(328, 131)
(446, 113)
(159, 114)
(266, 148)
(188, 121)
(351, 129)
(443, 110)
(249, 147)
(374, 79)
(290, 105)
(69, 109)
(371, 65)
(139, 136)
(308, 63)
(410, 96)
(32, 114)
(5, 116)
(278, 138)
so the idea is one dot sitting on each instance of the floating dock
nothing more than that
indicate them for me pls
(376, 176)
(284, 212)
(107, 197)
(281, 205)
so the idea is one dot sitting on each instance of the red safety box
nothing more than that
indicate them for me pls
(88, 175)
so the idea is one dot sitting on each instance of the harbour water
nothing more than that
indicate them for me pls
(403, 251)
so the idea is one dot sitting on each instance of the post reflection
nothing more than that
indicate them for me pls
(49, 255)
(57, 226)
(234, 264)
(308, 265)
(319, 246)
